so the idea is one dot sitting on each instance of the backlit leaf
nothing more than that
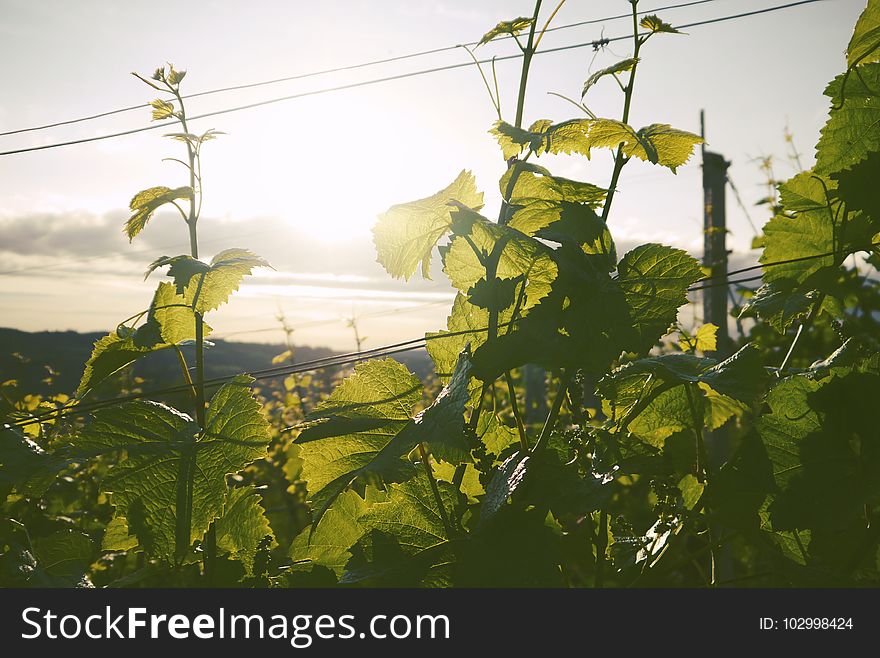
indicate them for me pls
(653, 23)
(513, 27)
(654, 280)
(243, 526)
(405, 234)
(850, 133)
(167, 457)
(864, 46)
(620, 67)
(146, 202)
(204, 286)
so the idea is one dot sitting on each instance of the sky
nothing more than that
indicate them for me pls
(301, 182)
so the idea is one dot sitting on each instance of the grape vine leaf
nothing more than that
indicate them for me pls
(658, 143)
(161, 110)
(505, 481)
(117, 537)
(466, 325)
(25, 466)
(146, 202)
(170, 462)
(406, 233)
(620, 67)
(328, 545)
(855, 187)
(494, 434)
(405, 540)
(170, 321)
(65, 555)
(441, 424)
(824, 449)
(850, 133)
(513, 27)
(809, 232)
(204, 286)
(779, 304)
(524, 183)
(366, 426)
(864, 46)
(520, 257)
(242, 526)
(655, 279)
(653, 23)
(702, 340)
(514, 140)
(649, 396)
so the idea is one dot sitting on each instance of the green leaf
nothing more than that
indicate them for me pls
(329, 543)
(441, 425)
(355, 431)
(170, 463)
(850, 134)
(620, 67)
(494, 434)
(512, 28)
(207, 287)
(365, 426)
(864, 46)
(691, 490)
(161, 110)
(656, 384)
(810, 232)
(855, 187)
(170, 321)
(779, 304)
(405, 540)
(66, 554)
(534, 183)
(703, 340)
(174, 76)
(653, 23)
(110, 355)
(117, 536)
(577, 224)
(24, 465)
(654, 279)
(497, 293)
(520, 257)
(514, 140)
(405, 234)
(173, 316)
(146, 202)
(243, 526)
(658, 143)
(822, 441)
(505, 481)
(466, 327)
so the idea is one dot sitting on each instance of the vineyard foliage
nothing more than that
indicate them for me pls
(663, 458)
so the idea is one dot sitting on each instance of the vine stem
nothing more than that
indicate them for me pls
(430, 473)
(528, 52)
(210, 547)
(619, 159)
(803, 325)
(514, 407)
(552, 416)
(703, 471)
(185, 370)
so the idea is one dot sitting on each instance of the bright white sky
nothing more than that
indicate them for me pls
(301, 182)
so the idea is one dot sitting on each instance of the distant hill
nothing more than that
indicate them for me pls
(25, 356)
